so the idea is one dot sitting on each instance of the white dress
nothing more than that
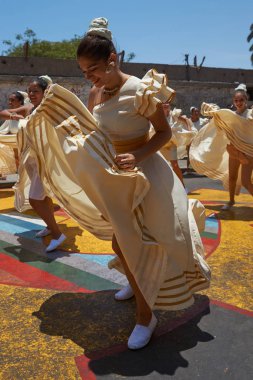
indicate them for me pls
(181, 137)
(147, 209)
(197, 125)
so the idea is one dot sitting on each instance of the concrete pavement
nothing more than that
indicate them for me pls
(59, 319)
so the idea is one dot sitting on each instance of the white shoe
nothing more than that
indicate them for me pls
(228, 206)
(43, 233)
(141, 335)
(124, 294)
(54, 243)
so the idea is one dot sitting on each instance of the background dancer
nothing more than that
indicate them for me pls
(237, 158)
(38, 198)
(8, 144)
(224, 147)
(169, 151)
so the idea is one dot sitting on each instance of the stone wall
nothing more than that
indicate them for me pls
(10, 83)
(192, 85)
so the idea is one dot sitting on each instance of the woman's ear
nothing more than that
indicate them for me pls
(113, 58)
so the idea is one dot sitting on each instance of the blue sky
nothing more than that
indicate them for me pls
(156, 31)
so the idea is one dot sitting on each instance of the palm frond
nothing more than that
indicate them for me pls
(250, 36)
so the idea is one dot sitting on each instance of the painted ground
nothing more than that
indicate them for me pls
(60, 320)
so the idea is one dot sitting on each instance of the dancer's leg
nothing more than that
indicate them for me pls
(246, 177)
(233, 167)
(44, 208)
(143, 312)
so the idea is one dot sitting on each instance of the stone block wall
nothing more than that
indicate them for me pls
(9, 84)
(193, 86)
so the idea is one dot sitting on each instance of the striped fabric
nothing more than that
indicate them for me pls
(208, 154)
(8, 142)
(76, 163)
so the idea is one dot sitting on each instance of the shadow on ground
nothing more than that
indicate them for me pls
(243, 213)
(101, 326)
(26, 249)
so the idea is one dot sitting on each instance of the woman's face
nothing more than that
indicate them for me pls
(14, 102)
(195, 114)
(240, 102)
(95, 71)
(35, 93)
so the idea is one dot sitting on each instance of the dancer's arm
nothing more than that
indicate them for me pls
(9, 115)
(161, 136)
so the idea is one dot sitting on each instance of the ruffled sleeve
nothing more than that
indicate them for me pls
(250, 113)
(151, 91)
(209, 109)
(175, 113)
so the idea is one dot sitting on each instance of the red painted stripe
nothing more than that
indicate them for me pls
(82, 363)
(9, 279)
(212, 202)
(210, 245)
(232, 307)
(35, 277)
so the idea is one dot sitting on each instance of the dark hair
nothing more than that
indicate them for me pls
(19, 96)
(96, 47)
(42, 83)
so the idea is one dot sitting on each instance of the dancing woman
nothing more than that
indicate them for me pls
(223, 149)
(108, 163)
(18, 109)
(238, 158)
(181, 137)
(38, 198)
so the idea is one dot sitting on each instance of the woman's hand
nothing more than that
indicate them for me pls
(125, 161)
(16, 117)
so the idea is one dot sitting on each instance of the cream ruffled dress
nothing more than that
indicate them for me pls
(147, 209)
(181, 137)
(8, 142)
(208, 153)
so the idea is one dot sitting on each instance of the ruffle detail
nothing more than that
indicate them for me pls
(152, 90)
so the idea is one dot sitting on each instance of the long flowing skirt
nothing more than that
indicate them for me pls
(147, 209)
(8, 143)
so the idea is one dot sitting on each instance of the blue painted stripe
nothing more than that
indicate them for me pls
(212, 225)
(17, 226)
(19, 222)
(99, 259)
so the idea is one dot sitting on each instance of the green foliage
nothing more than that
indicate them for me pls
(41, 48)
(130, 57)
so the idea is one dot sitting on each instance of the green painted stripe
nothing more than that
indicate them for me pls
(209, 235)
(66, 272)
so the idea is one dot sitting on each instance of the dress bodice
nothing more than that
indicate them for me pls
(118, 117)
(247, 114)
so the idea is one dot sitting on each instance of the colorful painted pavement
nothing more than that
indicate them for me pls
(59, 319)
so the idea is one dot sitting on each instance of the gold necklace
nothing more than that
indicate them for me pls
(111, 91)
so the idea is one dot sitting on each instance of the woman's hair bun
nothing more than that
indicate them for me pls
(98, 27)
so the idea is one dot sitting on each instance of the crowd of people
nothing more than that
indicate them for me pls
(113, 166)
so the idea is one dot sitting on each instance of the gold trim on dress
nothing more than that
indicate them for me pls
(126, 146)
